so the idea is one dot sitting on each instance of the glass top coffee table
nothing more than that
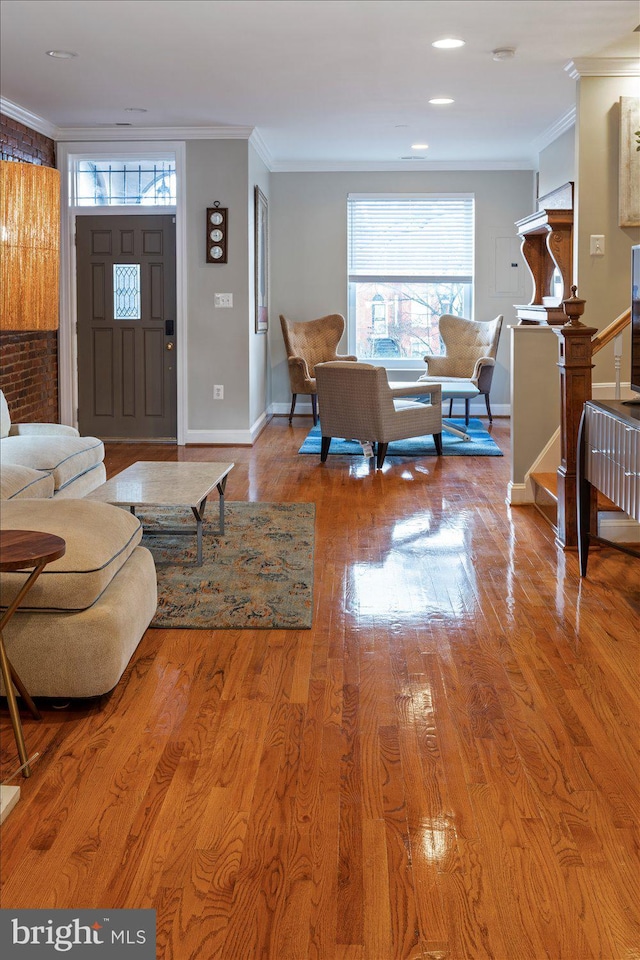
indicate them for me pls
(151, 483)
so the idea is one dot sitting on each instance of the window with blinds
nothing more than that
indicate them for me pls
(410, 261)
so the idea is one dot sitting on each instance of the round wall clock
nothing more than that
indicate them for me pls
(217, 233)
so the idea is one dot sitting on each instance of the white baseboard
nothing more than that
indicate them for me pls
(519, 494)
(9, 796)
(619, 528)
(259, 426)
(229, 438)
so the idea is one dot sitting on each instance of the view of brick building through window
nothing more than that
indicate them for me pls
(400, 319)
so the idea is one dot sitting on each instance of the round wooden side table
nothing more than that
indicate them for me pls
(23, 550)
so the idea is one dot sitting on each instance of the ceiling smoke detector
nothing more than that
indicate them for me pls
(503, 53)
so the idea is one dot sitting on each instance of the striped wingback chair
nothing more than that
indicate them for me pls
(356, 401)
(471, 347)
(307, 343)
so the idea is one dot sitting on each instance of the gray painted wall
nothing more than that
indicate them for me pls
(309, 247)
(218, 339)
(603, 281)
(557, 163)
(259, 368)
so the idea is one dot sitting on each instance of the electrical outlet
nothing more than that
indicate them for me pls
(223, 299)
(218, 391)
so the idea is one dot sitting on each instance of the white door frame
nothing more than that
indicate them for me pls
(67, 153)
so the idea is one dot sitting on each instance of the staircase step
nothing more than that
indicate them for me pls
(545, 496)
(547, 484)
(545, 493)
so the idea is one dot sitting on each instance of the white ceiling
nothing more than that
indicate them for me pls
(323, 81)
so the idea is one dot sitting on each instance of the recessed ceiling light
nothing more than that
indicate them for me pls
(61, 54)
(135, 109)
(438, 100)
(448, 43)
(419, 146)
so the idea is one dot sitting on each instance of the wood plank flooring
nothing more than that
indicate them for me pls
(445, 767)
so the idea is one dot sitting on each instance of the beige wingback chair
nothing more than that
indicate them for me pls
(470, 356)
(307, 343)
(356, 401)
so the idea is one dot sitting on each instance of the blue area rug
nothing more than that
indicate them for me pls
(480, 445)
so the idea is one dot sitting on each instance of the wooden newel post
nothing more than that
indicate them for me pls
(575, 389)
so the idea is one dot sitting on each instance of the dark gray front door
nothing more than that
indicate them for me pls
(126, 327)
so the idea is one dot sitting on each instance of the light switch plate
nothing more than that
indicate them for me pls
(596, 245)
(223, 299)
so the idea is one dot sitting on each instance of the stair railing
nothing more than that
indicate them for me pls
(577, 345)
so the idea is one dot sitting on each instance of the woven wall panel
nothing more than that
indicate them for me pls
(30, 213)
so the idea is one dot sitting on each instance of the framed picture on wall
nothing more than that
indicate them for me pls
(262, 262)
(629, 173)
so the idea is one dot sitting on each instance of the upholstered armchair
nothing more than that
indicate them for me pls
(470, 356)
(357, 401)
(308, 343)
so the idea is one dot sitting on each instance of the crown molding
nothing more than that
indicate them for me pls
(115, 133)
(560, 126)
(362, 166)
(39, 124)
(261, 149)
(603, 67)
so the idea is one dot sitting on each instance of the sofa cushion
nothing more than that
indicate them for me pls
(99, 537)
(18, 481)
(65, 457)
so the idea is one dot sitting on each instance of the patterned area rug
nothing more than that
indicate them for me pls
(480, 445)
(258, 575)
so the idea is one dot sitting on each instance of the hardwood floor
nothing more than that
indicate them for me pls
(445, 766)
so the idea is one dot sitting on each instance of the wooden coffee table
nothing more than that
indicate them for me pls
(151, 483)
(23, 550)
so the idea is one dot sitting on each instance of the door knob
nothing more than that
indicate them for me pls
(170, 345)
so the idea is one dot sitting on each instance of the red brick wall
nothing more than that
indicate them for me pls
(28, 361)
(18, 142)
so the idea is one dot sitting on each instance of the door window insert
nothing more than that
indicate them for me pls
(126, 291)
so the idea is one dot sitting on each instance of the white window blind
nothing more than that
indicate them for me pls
(413, 237)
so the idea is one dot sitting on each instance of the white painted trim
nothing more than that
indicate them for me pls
(322, 166)
(261, 148)
(259, 426)
(560, 126)
(229, 438)
(619, 528)
(67, 340)
(603, 67)
(517, 494)
(120, 133)
(18, 113)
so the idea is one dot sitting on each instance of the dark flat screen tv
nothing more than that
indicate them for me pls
(635, 322)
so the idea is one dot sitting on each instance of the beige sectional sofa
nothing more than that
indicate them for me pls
(88, 611)
(47, 459)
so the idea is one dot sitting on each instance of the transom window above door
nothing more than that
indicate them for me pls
(120, 182)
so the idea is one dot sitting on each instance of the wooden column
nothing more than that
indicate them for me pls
(575, 366)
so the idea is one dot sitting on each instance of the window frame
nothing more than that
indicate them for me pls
(406, 363)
